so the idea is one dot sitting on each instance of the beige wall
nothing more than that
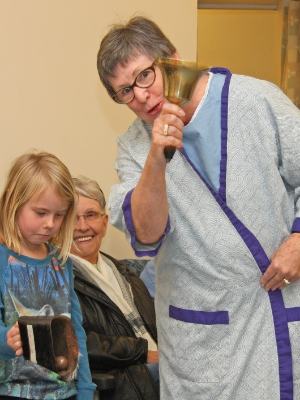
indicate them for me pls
(245, 41)
(50, 94)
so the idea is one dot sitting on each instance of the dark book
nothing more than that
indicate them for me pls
(50, 342)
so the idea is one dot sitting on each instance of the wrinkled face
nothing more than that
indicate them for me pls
(40, 219)
(88, 235)
(148, 102)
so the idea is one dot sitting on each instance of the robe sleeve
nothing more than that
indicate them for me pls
(129, 168)
(286, 116)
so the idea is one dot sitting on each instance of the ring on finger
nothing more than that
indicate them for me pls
(166, 127)
(286, 281)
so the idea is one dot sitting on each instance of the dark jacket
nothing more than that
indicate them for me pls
(111, 343)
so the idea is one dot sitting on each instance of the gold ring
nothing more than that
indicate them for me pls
(286, 281)
(166, 127)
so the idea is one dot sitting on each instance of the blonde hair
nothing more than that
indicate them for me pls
(30, 175)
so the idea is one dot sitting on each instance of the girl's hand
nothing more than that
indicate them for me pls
(13, 339)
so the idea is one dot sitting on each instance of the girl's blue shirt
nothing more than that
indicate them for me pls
(29, 286)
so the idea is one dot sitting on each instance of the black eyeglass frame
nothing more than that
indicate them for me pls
(114, 96)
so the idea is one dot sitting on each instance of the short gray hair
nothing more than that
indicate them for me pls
(126, 41)
(89, 188)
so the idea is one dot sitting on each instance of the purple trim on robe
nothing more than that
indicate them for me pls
(293, 314)
(199, 317)
(126, 207)
(296, 225)
(224, 129)
(280, 313)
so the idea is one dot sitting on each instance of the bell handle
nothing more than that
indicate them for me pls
(169, 152)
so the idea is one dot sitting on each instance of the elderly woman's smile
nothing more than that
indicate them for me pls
(82, 239)
(89, 229)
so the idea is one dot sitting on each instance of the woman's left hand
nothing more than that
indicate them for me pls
(285, 265)
(152, 357)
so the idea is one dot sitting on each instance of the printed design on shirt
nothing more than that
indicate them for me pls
(41, 290)
(35, 290)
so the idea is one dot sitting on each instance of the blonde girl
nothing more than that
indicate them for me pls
(37, 210)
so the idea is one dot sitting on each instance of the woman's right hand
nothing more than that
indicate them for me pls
(171, 115)
(149, 202)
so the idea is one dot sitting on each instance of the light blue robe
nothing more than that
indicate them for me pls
(221, 336)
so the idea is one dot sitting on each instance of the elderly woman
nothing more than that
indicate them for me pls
(118, 312)
(222, 219)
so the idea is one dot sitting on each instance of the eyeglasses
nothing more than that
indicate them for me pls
(90, 216)
(144, 80)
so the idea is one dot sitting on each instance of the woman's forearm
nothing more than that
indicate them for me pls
(149, 202)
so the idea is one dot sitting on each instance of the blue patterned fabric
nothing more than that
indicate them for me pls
(148, 277)
(136, 265)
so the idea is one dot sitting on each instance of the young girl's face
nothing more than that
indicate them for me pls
(39, 220)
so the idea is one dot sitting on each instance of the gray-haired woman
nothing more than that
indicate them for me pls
(118, 312)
